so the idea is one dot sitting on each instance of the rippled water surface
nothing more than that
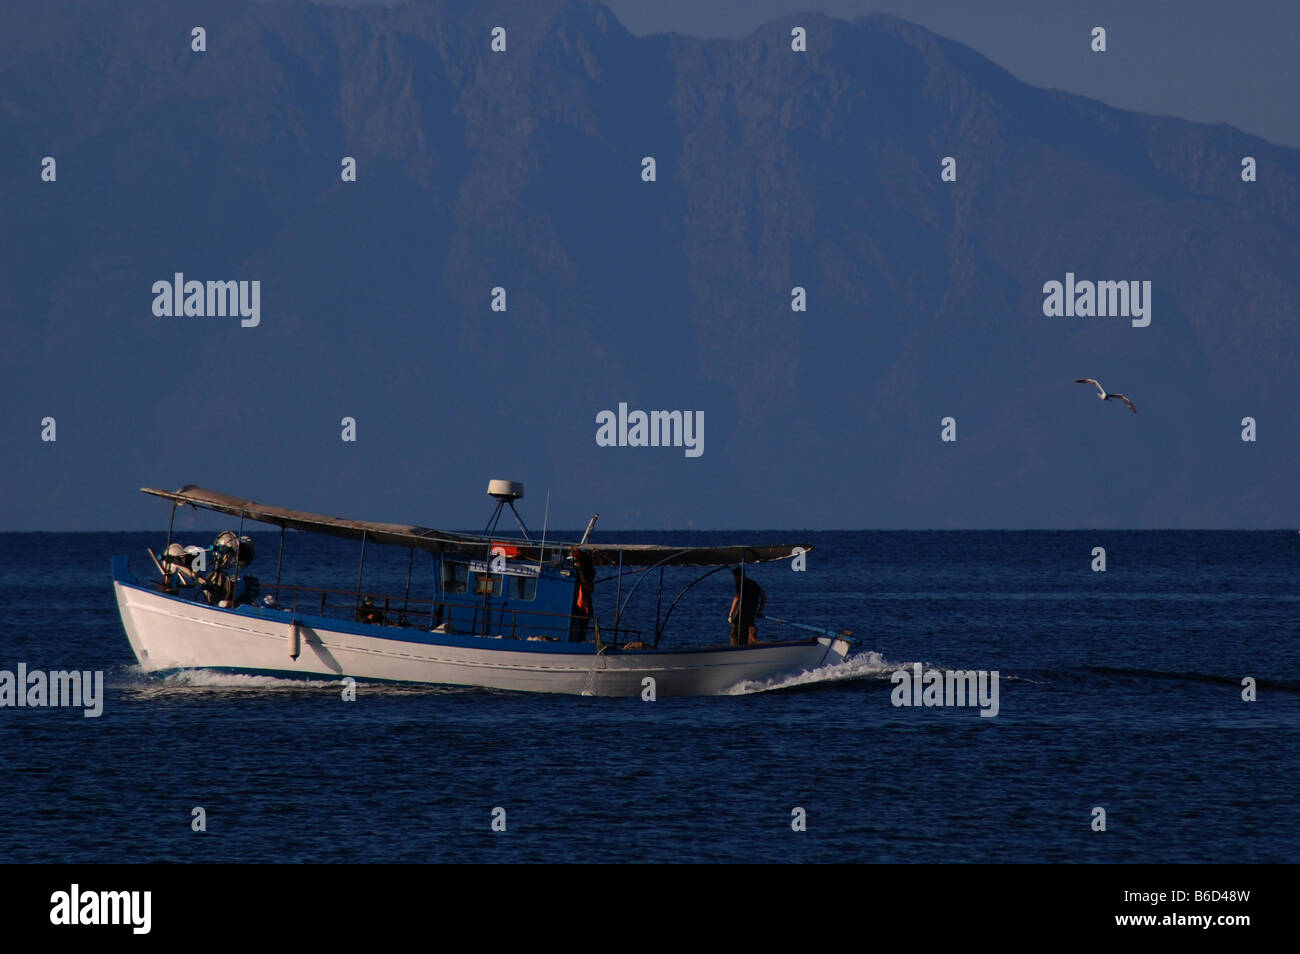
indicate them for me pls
(1120, 690)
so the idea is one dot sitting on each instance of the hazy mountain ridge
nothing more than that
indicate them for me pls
(522, 169)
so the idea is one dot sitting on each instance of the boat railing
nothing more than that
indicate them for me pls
(406, 612)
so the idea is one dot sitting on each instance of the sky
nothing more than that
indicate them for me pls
(1204, 60)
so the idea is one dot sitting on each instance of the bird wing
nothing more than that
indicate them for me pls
(1093, 381)
(1126, 401)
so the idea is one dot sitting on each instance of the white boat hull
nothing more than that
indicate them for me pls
(168, 633)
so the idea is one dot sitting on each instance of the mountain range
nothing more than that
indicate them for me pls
(523, 170)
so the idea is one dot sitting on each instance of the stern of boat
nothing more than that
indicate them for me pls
(838, 649)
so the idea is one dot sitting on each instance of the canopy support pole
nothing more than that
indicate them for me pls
(234, 587)
(279, 560)
(740, 602)
(161, 569)
(643, 573)
(673, 605)
(410, 562)
(360, 571)
(659, 602)
(618, 610)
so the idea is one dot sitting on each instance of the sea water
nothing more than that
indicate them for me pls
(1120, 690)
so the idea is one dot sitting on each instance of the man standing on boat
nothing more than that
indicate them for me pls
(745, 606)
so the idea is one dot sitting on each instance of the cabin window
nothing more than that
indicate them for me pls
(523, 587)
(487, 585)
(455, 577)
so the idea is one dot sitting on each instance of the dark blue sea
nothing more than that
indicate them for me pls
(1119, 690)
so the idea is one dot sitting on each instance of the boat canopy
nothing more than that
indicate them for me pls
(422, 538)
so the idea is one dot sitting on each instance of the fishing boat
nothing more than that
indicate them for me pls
(507, 611)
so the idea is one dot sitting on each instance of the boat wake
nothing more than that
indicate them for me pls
(190, 682)
(1117, 674)
(212, 679)
(863, 665)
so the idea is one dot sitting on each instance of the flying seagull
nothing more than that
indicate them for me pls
(1103, 395)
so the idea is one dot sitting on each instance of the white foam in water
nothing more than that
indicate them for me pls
(864, 665)
(135, 678)
(211, 679)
